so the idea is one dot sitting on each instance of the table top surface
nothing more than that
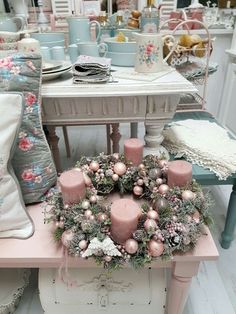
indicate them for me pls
(40, 250)
(166, 82)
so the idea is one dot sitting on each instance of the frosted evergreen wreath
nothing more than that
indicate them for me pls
(171, 219)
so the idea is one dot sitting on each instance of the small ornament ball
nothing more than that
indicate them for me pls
(94, 166)
(120, 168)
(138, 190)
(161, 204)
(102, 217)
(163, 188)
(107, 258)
(131, 246)
(155, 248)
(67, 237)
(188, 195)
(115, 177)
(87, 180)
(88, 213)
(154, 173)
(196, 216)
(150, 224)
(93, 199)
(83, 244)
(152, 214)
(85, 204)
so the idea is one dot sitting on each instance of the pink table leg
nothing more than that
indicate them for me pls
(181, 277)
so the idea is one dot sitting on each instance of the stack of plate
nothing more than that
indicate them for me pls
(54, 69)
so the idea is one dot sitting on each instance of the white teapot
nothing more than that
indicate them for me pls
(149, 53)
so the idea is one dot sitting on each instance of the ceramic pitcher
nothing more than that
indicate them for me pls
(80, 28)
(149, 53)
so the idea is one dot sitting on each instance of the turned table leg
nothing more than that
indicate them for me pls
(230, 222)
(133, 129)
(181, 278)
(53, 143)
(115, 137)
(160, 110)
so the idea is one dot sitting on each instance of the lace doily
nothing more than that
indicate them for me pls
(203, 143)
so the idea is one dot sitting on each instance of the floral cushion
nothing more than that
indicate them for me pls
(14, 220)
(32, 160)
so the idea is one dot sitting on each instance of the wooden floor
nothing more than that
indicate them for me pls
(213, 291)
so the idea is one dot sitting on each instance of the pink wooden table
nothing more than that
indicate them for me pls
(40, 251)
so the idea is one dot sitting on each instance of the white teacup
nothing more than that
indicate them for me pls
(92, 48)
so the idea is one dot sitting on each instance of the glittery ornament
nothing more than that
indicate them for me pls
(159, 181)
(154, 173)
(152, 214)
(139, 234)
(85, 204)
(87, 225)
(140, 182)
(196, 216)
(67, 237)
(187, 195)
(141, 167)
(83, 244)
(92, 217)
(93, 199)
(150, 224)
(163, 188)
(94, 166)
(161, 204)
(88, 213)
(87, 180)
(138, 190)
(107, 258)
(163, 163)
(120, 168)
(115, 177)
(155, 248)
(131, 246)
(102, 217)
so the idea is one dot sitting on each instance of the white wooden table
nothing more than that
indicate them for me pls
(125, 100)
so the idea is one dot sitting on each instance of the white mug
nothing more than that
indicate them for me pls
(46, 53)
(92, 48)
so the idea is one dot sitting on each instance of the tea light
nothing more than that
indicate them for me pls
(124, 219)
(179, 173)
(72, 186)
(133, 151)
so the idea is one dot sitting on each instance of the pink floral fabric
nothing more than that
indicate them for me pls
(32, 160)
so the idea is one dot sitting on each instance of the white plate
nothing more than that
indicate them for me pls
(54, 75)
(61, 66)
(51, 66)
(12, 285)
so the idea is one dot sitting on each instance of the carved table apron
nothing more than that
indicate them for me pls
(152, 102)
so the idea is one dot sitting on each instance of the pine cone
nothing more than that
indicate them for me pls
(139, 234)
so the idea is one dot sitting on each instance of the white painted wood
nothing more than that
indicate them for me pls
(124, 291)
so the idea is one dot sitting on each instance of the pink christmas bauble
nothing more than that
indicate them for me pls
(120, 168)
(85, 204)
(94, 166)
(163, 188)
(140, 182)
(61, 224)
(196, 216)
(87, 180)
(163, 163)
(155, 248)
(107, 258)
(150, 224)
(152, 214)
(188, 195)
(159, 181)
(102, 217)
(138, 190)
(115, 177)
(88, 213)
(93, 199)
(67, 237)
(131, 246)
(83, 244)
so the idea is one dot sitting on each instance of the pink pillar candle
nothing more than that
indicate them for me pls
(72, 186)
(124, 219)
(133, 151)
(179, 173)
